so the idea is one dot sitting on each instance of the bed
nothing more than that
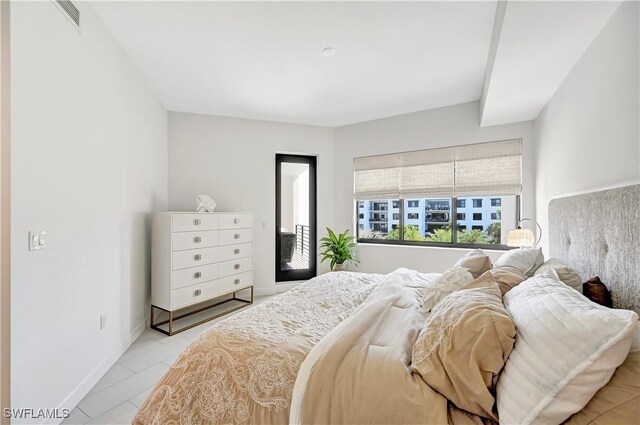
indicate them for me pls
(336, 349)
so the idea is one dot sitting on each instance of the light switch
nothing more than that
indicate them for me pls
(37, 240)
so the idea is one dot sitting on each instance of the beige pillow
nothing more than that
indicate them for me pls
(476, 261)
(507, 277)
(567, 275)
(463, 346)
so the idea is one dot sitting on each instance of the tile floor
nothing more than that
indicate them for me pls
(115, 399)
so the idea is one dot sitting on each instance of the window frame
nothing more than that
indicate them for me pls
(446, 245)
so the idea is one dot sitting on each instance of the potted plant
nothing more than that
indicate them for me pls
(339, 249)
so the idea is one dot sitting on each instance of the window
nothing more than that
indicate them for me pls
(437, 205)
(373, 219)
(428, 189)
(434, 226)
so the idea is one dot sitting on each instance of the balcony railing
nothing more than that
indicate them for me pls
(302, 240)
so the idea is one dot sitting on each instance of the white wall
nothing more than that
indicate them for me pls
(89, 163)
(587, 136)
(233, 160)
(453, 125)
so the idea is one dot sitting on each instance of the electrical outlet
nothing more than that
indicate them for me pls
(103, 321)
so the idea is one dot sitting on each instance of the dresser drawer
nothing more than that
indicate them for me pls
(236, 221)
(194, 294)
(193, 240)
(232, 267)
(235, 283)
(232, 237)
(193, 275)
(193, 222)
(194, 257)
(230, 252)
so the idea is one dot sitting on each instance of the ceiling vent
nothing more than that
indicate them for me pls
(70, 11)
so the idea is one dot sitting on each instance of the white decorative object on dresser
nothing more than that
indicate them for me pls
(196, 258)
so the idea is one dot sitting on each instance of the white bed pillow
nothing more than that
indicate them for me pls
(566, 274)
(476, 262)
(527, 260)
(566, 349)
(451, 280)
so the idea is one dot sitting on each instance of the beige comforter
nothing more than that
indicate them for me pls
(358, 373)
(243, 369)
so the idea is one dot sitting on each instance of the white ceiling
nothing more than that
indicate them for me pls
(539, 44)
(263, 60)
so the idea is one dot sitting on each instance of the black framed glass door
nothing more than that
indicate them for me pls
(295, 217)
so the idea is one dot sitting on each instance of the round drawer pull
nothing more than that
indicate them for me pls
(197, 257)
(197, 292)
(236, 220)
(236, 236)
(197, 239)
(236, 266)
(197, 275)
(197, 222)
(236, 251)
(236, 282)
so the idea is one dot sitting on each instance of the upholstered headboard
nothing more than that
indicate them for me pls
(598, 234)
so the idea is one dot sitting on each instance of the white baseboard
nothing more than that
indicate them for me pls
(92, 379)
(259, 292)
(283, 287)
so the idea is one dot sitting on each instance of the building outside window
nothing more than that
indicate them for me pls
(495, 215)
(396, 216)
(477, 203)
(360, 216)
(413, 216)
(396, 204)
(413, 204)
(496, 202)
(461, 203)
(461, 216)
(477, 216)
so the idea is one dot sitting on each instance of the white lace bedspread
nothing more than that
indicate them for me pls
(243, 369)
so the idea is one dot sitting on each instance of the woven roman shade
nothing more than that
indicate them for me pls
(493, 168)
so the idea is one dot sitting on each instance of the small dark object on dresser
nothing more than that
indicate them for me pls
(597, 292)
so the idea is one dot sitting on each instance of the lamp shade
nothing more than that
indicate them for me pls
(520, 237)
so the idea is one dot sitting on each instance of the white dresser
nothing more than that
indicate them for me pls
(197, 257)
